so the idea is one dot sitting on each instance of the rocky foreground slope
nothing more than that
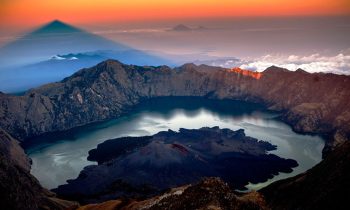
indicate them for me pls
(210, 193)
(313, 103)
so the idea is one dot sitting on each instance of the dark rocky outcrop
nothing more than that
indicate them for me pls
(325, 186)
(111, 149)
(18, 188)
(135, 167)
(313, 103)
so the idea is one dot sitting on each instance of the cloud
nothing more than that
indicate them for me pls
(131, 31)
(222, 62)
(338, 64)
(57, 57)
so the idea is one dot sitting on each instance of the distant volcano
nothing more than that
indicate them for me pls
(185, 28)
(181, 27)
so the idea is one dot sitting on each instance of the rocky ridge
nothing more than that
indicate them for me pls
(311, 103)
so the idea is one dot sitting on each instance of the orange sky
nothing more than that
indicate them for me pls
(31, 12)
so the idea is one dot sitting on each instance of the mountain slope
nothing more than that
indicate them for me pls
(18, 188)
(325, 186)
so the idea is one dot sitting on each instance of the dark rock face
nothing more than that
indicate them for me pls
(312, 103)
(209, 193)
(325, 186)
(144, 166)
(18, 188)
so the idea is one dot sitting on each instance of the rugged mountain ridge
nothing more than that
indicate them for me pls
(312, 103)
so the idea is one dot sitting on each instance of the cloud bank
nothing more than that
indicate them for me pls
(338, 64)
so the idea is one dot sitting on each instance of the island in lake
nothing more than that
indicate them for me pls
(139, 167)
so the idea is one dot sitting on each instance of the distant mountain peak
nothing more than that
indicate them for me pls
(181, 27)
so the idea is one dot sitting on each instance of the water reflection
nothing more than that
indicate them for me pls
(56, 161)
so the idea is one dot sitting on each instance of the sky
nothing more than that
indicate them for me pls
(25, 13)
(309, 34)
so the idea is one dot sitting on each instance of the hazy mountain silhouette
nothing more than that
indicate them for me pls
(181, 27)
(185, 28)
(26, 63)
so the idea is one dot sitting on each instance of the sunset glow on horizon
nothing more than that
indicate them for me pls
(24, 12)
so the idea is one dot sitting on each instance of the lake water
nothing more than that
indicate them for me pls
(59, 157)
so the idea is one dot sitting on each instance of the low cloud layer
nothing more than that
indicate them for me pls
(339, 64)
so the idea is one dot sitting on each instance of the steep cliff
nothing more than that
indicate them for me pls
(312, 103)
(18, 188)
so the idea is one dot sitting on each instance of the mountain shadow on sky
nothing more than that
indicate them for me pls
(26, 61)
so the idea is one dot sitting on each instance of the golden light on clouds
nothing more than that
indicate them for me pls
(23, 12)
